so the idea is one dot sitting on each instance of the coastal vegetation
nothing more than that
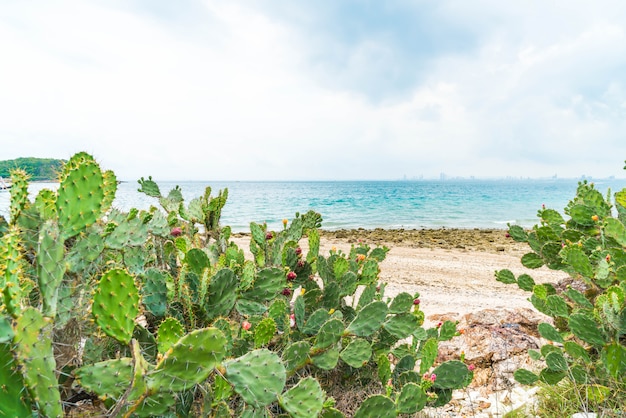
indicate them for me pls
(39, 169)
(583, 366)
(157, 312)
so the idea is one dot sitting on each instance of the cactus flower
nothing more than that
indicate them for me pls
(292, 320)
(433, 377)
(285, 222)
(291, 276)
(302, 291)
(595, 218)
(300, 264)
(360, 257)
(608, 258)
(471, 367)
(416, 301)
(246, 325)
(286, 291)
(331, 311)
(507, 235)
(176, 231)
(439, 324)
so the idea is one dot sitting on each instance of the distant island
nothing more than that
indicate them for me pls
(39, 169)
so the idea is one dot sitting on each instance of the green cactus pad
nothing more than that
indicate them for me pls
(306, 399)
(86, 249)
(109, 185)
(19, 194)
(505, 276)
(197, 260)
(451, 375)
(295, 355)
(10, 272)
(576, 351)
(127, 232)
(222, 294)
(401, 326)
(189, 361)
(429, 354)
(402, 303)
(299, 310)
(107, 379)
(249, 307)
(264, 332)
(279, 312)
(614, 359)
(357, 353)
(51, 267)
(258, 376)
(585, 328)
(45, 202)
(33, 350)
(14, 401)
(331, 296)
(447, 330)
(170, 331)
(327, 360)
(116, 304)
(367, 296)
(525, 377)
(315, 321)
(412, 399)
(548, 332)
(328, 334)
(154, 292)
(369, 319)
(80, 198)
(268, 283)
(556, 361)
(149, 187)
(376, 406)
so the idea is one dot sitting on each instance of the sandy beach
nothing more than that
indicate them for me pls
(452, 269)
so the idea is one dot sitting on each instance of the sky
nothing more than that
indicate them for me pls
(317, 90)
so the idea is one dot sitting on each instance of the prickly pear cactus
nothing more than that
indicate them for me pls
(80, 198)
(189, 361)
(306, 399)
(10, 272)
(33, 348)
(377, 406)
(588, 316)
(258, 377)
(19, 195)
(116, 304)
(50, 258)
(14, 402)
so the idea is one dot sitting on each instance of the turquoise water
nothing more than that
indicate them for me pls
(374, 204)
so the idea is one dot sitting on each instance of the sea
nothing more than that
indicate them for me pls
(403, 204)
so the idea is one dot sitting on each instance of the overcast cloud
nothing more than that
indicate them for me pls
(326, 89)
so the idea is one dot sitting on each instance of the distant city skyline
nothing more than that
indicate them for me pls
(325, 90)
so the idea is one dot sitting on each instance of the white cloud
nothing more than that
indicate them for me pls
(239, 95)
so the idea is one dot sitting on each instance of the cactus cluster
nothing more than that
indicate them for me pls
(588, 336)
(157, 312)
